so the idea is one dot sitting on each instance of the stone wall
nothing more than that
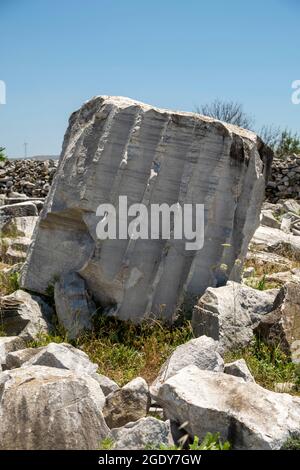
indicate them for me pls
(30, 177)
(284, 182)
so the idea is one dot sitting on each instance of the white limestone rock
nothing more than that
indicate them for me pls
(291, 205)
(239, 368)
(25, 315)
(20, 226)
(9, 344)
(202, 352)
(116, 146)
(276, 240)
(16, 359)
(145, 433)
(282, 325)
(74, 307)
(107, 385)
(246, 414)
(230, 313)
(44, 408)
(268, 219)
(63, 356)
(21, 209)
(129, 403)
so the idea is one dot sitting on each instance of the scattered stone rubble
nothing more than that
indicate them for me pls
(30, 177)
(284, 182)
(54, 397)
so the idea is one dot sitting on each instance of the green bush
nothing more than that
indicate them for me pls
(289, 143)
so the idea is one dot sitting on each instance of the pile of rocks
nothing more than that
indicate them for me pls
(30, 177)
(18, 217)
(53, 398)
(284, 182)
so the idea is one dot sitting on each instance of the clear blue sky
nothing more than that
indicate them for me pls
(56, 54)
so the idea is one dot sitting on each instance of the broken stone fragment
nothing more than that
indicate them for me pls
(18, 358)
(202, 352)
(115, 147)
(25, 315)
(127, 404)
(45, 408)
(245, 414)
(268, 219)
(276, 241)
(7, 345)
(230, 313)
(240, 369)
(74, 307)
(145, 433)
(21, 209)
(20, 227)
(14, 250)
(107, 385)
(282, 325)
(63, 356)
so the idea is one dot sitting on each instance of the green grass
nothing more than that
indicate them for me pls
(106, 444)
(268, 364)
(210, 442)
(123, 350)
(9, 283)
(292, 444)
(261, 283)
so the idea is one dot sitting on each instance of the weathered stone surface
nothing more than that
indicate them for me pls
(269, 260)
(25, 315)
(9, 344)
(24, 179)
(202, 352)
(144, 433)
(20, 227)
(282, 325)
(107, 385)
(21, 209)
(14, 250)
(247, 415)
(127, 404)
(275, 240)
(63, 356)
(17, 358)
(43, 408)
(240, 369)
(248, 272)
(74, 307)
(285, 387)
(291, 206)
(230, 313)
(268, 219)
(116, 146)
